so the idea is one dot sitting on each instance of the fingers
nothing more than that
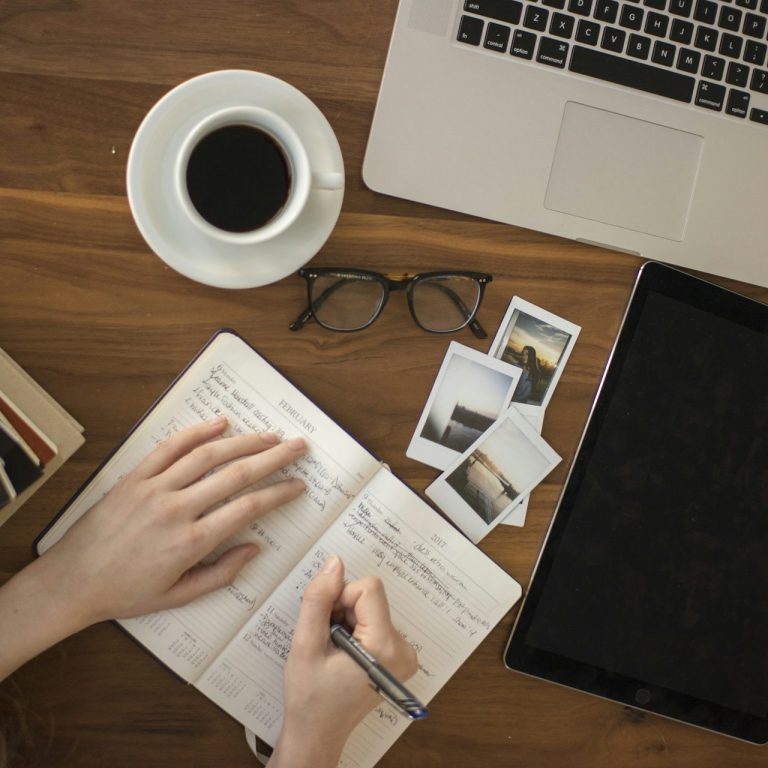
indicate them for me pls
(312, 633)
(241, 474)
(205, 578)
(170, 451)
(208, 456)
(236, 514)
(365, 603)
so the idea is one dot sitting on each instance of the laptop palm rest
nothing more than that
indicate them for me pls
(623, 171)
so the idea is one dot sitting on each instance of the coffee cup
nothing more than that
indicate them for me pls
(243, 176)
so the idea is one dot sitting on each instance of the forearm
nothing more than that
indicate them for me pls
(298, 749)
(34, 615)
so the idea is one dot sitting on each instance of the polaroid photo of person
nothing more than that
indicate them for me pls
(469, 393)
(516, 515)
(538, 342)
(494, 475)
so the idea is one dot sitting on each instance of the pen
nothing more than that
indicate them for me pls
(383, 682)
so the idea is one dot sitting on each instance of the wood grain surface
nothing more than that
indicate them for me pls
(100, 321)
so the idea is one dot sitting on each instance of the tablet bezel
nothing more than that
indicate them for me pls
(518, 656)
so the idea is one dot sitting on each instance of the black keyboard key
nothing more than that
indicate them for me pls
(554, 3)
(754, 53)
(552, 52)
(738, 103)
(659, 5)
(634, 74)
(587, 32)
(713, 68)
(705, 11)
(688, 60)
(754, 25)
(759, 115)
(663, 53)
(523, 44)
(751, 4)
(738, 74)
(710, 95)
(730, 18)
(681, 7)
(706, 38)
(536, 18)
(681, 31)
(470, 30)
(561, 25)
(613, 39)
(656, 24)
(730, 45)
(763, 6)
(759, 81)
(631, 18)
(607, 10)
(496, 37)
(639, 47)
(501, 10)
(580, 7)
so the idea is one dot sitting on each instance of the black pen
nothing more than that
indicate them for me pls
(383, 682)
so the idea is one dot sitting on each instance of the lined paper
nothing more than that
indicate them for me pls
(445, 596)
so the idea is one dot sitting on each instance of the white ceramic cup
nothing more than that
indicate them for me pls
(302, 178)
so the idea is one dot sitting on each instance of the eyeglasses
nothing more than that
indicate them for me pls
(351, 299)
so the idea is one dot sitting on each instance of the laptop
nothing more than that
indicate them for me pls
(637, 125)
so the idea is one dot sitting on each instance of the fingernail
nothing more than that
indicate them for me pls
(253, 550)
(331, 564)
(218, 421)
(296, 443)
(270, 438)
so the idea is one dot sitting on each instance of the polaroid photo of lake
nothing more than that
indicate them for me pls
(494, 475)
(470, 392)
(538, 342)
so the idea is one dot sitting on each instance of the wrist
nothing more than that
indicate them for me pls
(302, 747)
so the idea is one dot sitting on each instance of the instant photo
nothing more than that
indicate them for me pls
(494, 475)
(516, 515)
(539, 343)
(469, 393)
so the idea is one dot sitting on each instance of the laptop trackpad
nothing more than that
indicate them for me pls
(622, 171)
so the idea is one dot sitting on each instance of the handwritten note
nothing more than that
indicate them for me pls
(445, 596)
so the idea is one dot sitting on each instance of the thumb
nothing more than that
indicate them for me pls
(313, 625)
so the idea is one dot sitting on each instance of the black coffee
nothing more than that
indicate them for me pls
(238, 178)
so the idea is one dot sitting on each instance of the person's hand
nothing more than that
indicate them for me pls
(326, 693)
(139, 549)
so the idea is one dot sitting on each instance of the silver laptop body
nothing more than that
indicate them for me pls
(508, 120)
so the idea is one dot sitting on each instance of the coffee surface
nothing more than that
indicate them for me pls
(238, 178)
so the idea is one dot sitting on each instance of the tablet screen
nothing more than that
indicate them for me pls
(652, 588)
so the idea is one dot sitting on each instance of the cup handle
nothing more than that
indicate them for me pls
(332, 180)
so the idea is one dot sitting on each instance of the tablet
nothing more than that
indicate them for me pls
(652, 585)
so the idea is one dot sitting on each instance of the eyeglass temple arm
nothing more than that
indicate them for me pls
(474, 326)
(308, 314)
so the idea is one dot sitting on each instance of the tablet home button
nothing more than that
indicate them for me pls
(642, 695)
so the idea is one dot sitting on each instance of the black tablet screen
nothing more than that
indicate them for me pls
(659, 569)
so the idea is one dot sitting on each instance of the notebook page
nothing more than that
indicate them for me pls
(230, 378)
(445, 596)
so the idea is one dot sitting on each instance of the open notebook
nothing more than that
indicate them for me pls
(445, 594)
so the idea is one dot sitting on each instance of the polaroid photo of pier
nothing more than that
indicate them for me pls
(493, 475)
(540, 343)
(470, 392)
(516, 516)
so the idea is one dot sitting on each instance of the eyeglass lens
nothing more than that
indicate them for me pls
(441, 303)
(445, 303)
(345, 303)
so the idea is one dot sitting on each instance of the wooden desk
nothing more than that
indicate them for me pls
(104, 325)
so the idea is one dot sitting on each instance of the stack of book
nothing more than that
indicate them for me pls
(36, 436)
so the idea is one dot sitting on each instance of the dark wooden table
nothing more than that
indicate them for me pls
(103, 324)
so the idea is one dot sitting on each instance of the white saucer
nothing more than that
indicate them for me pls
(160, 218)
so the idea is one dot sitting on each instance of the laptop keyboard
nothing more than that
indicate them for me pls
(711, 53)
